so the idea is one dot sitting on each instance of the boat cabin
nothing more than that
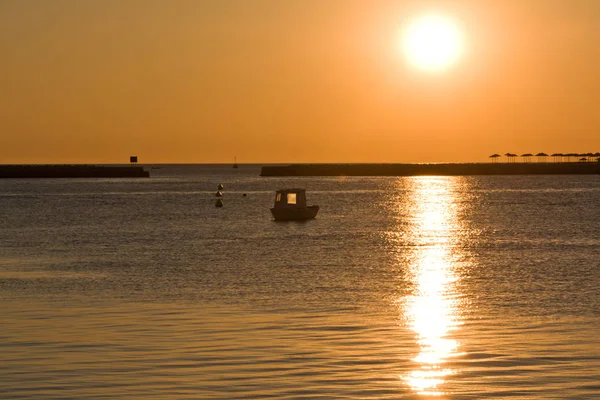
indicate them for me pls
(290, 205)
(290, 198)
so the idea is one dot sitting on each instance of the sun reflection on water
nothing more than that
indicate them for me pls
(432, 309)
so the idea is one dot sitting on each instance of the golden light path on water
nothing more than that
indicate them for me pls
(432, 310)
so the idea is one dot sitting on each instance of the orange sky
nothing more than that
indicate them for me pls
(292, 81)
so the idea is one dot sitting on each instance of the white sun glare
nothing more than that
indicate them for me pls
(432, 43)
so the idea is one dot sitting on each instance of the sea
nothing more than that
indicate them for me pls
(421, 287)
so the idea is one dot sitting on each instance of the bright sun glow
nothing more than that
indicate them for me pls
(432, 43)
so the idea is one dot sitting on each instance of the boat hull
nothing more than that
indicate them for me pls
(294, 213)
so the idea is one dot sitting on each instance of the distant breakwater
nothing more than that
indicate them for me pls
(454, 169)
(71, 171)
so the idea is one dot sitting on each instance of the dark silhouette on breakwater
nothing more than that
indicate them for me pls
(556, 157)
(511, 157)
(541, 157)
(527, 157)
(71, 171)
(584, 168)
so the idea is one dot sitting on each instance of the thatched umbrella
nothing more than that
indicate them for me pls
(510, 156)
(527, 157)
(557, 157)
(494, 157)
(541, 157)
(597, 155)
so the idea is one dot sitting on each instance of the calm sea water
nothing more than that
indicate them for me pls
(446, 287)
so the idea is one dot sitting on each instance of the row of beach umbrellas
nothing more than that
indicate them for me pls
(556, 156)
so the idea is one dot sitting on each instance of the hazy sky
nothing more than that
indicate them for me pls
(292, 81)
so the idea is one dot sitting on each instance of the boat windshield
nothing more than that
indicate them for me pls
(291, 198)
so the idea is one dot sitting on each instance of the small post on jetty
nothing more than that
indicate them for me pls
(133, 160)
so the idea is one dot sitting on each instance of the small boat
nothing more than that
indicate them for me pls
(220, 187)
(218, 194)
(290, 205)
(219, 203)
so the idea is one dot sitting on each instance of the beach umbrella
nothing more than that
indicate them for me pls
(494, 157)
(557, 156)
(527, 156)
(569, 155)
(541, 157)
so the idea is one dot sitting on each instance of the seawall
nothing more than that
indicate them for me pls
(71, 171)
(574, 168)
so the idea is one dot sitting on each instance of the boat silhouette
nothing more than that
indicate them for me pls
(290, 205)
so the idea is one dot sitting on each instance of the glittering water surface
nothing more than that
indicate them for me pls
(420, 287)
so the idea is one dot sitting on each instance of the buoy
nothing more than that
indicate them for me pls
(218, 194)
(220, 186)
(219, 203)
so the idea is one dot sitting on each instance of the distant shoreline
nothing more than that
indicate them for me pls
(71, 171)
(448, 169)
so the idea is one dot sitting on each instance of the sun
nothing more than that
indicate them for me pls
(432, 43)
